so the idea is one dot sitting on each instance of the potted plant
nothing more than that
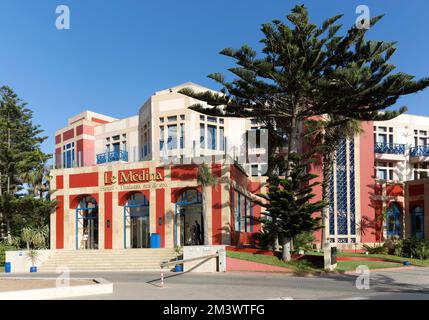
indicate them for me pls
(32, 255)
(178, 251)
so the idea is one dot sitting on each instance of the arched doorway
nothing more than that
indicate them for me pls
(136, 222)
(188, 219)
(393, 220)
(87, 223)
(417, 222)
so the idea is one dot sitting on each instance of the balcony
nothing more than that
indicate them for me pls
(420, 151)
(389, 148)
(120, 155)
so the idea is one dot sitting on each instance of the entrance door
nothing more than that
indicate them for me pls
(189, 226)
(87, 224)
(136, 222)
(140, 232)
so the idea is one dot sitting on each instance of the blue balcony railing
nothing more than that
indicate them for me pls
(120, 155)
(420, 151)
(390, 148)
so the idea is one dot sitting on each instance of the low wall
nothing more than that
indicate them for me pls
(20, 262)
(204, 265)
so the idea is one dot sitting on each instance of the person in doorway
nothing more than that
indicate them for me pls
(197, 233)
(193, 238)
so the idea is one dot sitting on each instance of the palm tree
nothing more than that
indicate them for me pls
(325, 135)
(206, 180)
(38, 180)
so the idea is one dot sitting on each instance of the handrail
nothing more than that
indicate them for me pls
(166, 263)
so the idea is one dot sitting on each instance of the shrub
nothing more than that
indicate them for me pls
(5, 246)
(376, 249)
(414, 248)
(264, 239)
(304, 241)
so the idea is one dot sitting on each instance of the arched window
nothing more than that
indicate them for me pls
(393, 220)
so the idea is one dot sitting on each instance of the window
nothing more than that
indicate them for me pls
(385, 170)
(182, 117)
(221, 139)
(172, 119)
(161, 137)
(420, 170)
(182, 136)
(255, 170)
(383, 135)
(211, 119)
(243, 216)
(172, 137)
(242, 213)
(421, 138)
(211, 137)
(382, 174)
(116, 138)
(417, 222)
(68, 155)
(202, 118)
(221, 121)
(202, 136)
(161, 120)
(236, 211)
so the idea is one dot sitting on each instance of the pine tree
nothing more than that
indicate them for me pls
(308, 71)
(20, 151)
(290, 210)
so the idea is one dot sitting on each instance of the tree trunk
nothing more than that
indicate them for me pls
(206, 190)
(286, 249)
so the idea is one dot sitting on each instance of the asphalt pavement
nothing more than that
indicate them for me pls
(386, 284)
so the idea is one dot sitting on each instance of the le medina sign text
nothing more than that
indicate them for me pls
(133, 176)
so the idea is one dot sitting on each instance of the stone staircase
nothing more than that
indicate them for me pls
(108, 260)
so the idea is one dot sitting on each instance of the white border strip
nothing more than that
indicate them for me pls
(100, 286)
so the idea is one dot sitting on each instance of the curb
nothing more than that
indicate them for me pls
(101, 286)
(381, 269)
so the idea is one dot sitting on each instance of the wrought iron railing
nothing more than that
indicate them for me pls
(390, 148)
(420, 151)
(120, 155)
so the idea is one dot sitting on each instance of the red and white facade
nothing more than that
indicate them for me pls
(119, 182)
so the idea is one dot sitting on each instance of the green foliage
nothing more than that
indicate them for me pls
(32, 255)
(5, 246)
(304, 241)
(22, 163)
(204, 176)
(414, 248)
(265, 238)
(375, 249)
(290, 206)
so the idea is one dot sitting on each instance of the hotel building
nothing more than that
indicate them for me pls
(124, 183)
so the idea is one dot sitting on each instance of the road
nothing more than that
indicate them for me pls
(387, 284)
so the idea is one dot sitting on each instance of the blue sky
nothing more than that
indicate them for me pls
(117, 53)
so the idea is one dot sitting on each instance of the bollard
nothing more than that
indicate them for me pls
(162, 279)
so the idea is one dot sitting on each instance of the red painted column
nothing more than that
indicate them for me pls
(59, 224)
(108, 221)
(216, 215)
(160, 214)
